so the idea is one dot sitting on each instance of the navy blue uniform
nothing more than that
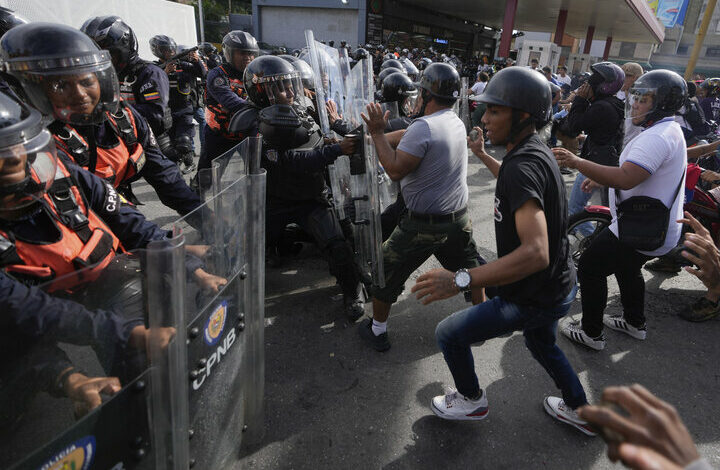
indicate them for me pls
(162, 174)
(183, 87)
(146, 86)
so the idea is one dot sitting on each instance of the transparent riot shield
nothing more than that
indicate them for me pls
(464, 107)
(366, 178)
(96, 378)
(225, 309)
(331, 69)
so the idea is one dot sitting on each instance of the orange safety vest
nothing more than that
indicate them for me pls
(216, 116)
(115, 165)
(86, 242)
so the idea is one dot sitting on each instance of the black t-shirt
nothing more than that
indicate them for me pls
(529, 171)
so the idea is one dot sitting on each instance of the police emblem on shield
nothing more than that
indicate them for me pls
(79, 455)
(216, 324)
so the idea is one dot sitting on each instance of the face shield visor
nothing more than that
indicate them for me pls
(640, 103)
(237, 57)
(410, 102)
(77, 90)
(284, 89)
(27, 170)
(164, 51)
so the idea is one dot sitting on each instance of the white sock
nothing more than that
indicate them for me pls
(379, 327)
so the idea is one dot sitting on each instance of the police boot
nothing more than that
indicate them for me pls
(353, 302)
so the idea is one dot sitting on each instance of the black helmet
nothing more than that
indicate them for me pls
(410, 68)
(9, 19)
(385, 72)
(606, 79)
(360, 54)
(268, 79)
(63, 73)
(207, 48)
(238, 41)
(114, 35)
(711, 87)
(398, 87)
(163, 47)
(304, 69)
(441, 81)
(667, 89)
(521, 89)
(392, 63)
(24, 143)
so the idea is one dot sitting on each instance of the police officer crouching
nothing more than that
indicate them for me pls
(92, 127)
(295, 158)
(224, 96)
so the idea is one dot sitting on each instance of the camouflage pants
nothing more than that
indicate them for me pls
(413, 242)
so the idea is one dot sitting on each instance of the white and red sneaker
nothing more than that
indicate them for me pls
(557, 408)
(455, 406)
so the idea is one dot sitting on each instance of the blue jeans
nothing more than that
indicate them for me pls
(497, 317)
(577, 203)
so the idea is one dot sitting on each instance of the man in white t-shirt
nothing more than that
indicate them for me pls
(479, 86)
(562, 76)
(651, 165)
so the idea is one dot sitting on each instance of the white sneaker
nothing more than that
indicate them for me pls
(617, 322)
(573, 330)
(455, 406)
(557, 408)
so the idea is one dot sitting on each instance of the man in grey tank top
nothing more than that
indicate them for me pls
(430, 161)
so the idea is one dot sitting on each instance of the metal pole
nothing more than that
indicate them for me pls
(699, 39)
(202, 21)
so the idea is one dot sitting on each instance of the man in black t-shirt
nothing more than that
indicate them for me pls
(534, 275)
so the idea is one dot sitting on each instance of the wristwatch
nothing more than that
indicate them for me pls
(462, 282)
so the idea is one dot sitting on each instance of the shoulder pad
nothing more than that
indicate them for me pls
(243, 120)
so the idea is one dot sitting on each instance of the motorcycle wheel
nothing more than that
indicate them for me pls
(579, 242)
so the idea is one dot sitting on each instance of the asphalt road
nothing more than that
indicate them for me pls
(331, 402)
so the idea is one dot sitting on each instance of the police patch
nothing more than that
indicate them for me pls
(215, 324)
(112, 200)
(219, 81)
(272, 155)
(79, 455)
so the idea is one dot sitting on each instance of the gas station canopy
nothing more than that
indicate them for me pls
(623, 20)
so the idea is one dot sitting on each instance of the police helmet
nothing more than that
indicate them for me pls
(270, 80)
(667, 89)
(521, 89)
(606, 79)
(207, 48)
(238, 41)
(398, 87)
(360, 54)
(9, 19)
(386, 72)
(163, 47)
(304, 69)
(392, 63)
(27, 155)
(62, 72)
(440, 81)
(410, 68)
(112, 34)
(711, 87)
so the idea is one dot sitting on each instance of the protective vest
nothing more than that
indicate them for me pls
(216, 116)
(85, 241)
(115, 165)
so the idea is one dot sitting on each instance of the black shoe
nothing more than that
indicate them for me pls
(379, 343)
(353, 309)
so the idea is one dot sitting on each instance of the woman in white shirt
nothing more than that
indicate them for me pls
(653, 165)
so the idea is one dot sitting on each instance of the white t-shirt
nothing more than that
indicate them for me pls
(661, 151)
(478, 88)
(566, 80)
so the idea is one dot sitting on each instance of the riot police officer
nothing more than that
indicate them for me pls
(183, 74)
(295, 158)
(143, 84)
(8, 20)
(225, 96)
(92, 126)
(398, 88)
(209, 54)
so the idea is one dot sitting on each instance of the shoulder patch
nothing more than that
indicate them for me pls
(219, 81)
(272, 155)
(112, 200)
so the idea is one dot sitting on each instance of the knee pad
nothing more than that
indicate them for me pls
(183, 144)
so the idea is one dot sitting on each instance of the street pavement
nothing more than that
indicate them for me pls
(333, 403)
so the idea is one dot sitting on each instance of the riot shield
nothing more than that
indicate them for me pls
(331, 69)
(225, 312)
(116, 330)
(366, 177)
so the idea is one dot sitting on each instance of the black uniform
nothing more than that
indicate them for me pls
(183, 100)
(602, 121)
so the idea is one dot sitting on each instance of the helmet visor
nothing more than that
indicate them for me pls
(284, 89)
(164, 51)
(27, 170)
(639, 103)
(409, 104)
(71, 90)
